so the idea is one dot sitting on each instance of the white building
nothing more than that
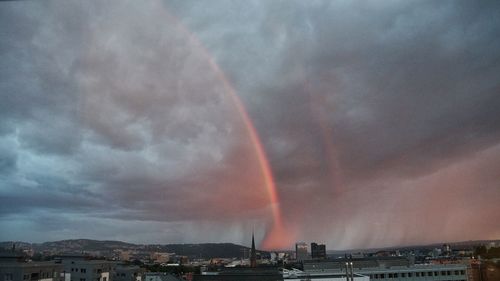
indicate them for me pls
(295, 274)
(391, 270)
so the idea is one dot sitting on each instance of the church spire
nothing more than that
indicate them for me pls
(253, 255)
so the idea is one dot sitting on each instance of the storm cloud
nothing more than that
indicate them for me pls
(379, 120)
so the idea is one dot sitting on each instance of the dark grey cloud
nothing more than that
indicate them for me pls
(389, 78)
(8, 158)
(113, 114)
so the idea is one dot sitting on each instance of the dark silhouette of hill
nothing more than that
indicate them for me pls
(202, 250)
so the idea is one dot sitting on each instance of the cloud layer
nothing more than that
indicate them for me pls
(380, 120)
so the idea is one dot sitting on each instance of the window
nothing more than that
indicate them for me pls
(26, 277)
(418, 274)
(429, 273)
(104, 279)
(410, 274)
(83, 270)
(456, 272)
(443, 273)
(462, 272)
(382, 276)
(448, 272)
(436, 273)
(82, 279)
(390, 275)
(395, 275)
(403, 274)
(8, 277)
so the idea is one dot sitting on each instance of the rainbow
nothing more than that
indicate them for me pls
(255, 140)
(275, 236)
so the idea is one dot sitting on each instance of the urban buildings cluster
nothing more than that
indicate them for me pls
(305, 263)
(318, 251)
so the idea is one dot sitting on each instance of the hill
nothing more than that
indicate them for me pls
(203, 250)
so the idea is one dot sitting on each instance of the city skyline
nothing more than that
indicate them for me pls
(354, 124)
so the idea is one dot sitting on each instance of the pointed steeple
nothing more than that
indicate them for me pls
(253, 255)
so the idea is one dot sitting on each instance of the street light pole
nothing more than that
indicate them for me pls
(352, 271)
(347, 271)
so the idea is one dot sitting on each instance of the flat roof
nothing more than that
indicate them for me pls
(65, 262)
(30, 264)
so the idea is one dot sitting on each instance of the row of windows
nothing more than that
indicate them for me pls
(33, 276)
(97, 279)
(48, 274)
(416, 274)
(99, 270)
(82, 270)
(9, 276)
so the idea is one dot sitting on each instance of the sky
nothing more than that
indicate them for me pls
(357, 124)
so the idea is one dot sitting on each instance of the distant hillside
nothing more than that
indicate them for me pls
(204, 250)
(86, 245)
(456, 245)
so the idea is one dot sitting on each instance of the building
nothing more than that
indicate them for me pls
(124, 255)
(81, 268)
(14, 267)
(318, 251)
(484, 271)
(253, 254)
(160, 276)
(241, 274)
(160, 257)
(446, 250)
(390, 269)
(32, 271)
(338, 265)
(301, 253)
(128, 273)
(295, 274)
